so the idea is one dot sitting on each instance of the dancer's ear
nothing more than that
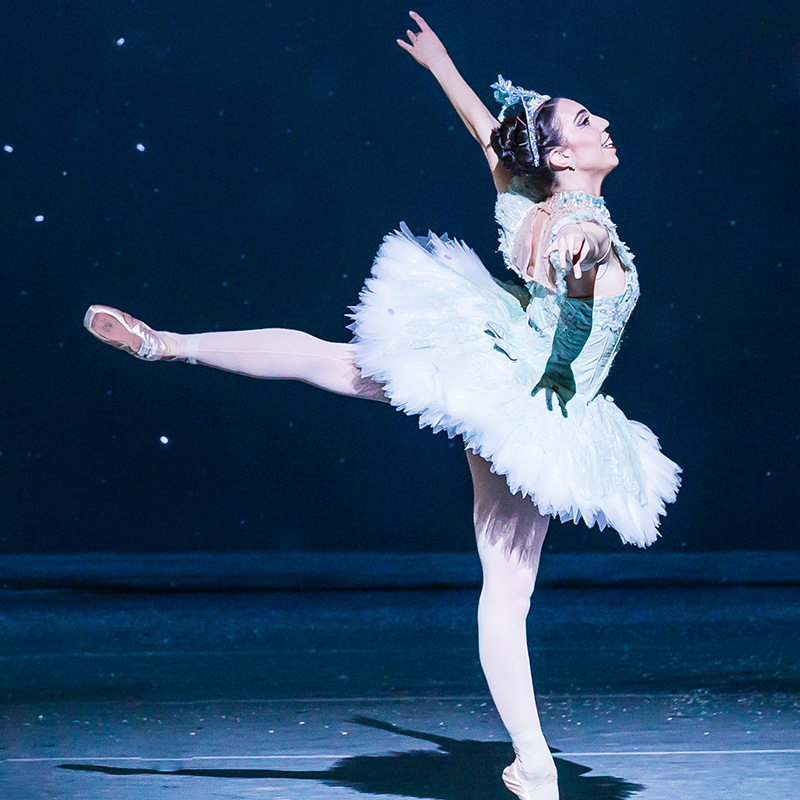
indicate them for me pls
(561, 160)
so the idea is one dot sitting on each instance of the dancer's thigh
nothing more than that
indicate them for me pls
(509, 529)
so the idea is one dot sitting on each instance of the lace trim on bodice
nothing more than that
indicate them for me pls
(610, 314)
(513, 210)
(514, 207)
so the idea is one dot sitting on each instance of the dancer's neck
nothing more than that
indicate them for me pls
(589, 183)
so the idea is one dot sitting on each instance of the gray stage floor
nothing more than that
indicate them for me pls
(648, 694)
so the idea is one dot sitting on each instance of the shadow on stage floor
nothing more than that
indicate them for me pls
(459, 770)
(648, 694)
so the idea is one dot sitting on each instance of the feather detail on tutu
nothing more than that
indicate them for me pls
(454, 347)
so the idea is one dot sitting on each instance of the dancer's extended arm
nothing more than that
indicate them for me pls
(427, 49)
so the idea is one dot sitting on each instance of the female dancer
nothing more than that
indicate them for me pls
(518, 378)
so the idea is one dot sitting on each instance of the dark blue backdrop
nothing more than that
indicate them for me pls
(281, 142)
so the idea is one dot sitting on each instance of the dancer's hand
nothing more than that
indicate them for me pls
(426, 49)
(425, 46)
(572, 246)
(572, 332)
(562, 386)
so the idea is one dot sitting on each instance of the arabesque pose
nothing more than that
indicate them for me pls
(516, 374)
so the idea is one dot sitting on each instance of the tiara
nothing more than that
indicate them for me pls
(509, 95)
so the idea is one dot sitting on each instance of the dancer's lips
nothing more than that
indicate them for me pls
(609, 144)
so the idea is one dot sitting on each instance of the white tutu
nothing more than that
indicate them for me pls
(456, 348)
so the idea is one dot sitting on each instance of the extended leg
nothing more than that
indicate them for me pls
(280, 353)
(270, 353)
(510, 533)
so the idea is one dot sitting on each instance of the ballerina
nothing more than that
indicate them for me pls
(516, 374)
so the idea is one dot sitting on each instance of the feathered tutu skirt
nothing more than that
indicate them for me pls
(436, 329)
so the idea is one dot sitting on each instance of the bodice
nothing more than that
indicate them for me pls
(609, 314)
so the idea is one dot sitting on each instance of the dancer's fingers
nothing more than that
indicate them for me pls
(582, 253)
(564, 259)
(418, 19)
(559, 249)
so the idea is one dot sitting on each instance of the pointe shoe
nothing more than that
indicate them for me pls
(121, 330)
(516, 781)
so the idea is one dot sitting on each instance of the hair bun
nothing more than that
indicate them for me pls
(511, 144)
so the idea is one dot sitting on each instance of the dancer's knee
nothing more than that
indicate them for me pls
(499, 599)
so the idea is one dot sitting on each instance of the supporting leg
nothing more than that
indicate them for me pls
(510, 533)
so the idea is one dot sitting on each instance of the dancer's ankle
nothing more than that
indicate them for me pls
(537, 773)
(534, 756)
(175, 344)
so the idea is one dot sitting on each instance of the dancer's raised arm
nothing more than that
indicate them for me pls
(428, 50)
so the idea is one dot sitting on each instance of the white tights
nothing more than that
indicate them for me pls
(510, 532)
(277, 353)
(509, 529)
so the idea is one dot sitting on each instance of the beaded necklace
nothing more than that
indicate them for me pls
(559, 200)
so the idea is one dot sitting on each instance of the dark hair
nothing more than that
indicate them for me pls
(510, 142)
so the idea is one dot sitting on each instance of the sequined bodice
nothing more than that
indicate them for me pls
(609, 314)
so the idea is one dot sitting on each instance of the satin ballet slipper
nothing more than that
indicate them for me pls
(121, 330)
(516, 782)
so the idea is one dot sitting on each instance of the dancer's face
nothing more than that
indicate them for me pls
(586, 140)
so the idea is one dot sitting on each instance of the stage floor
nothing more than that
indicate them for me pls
(648, 694)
